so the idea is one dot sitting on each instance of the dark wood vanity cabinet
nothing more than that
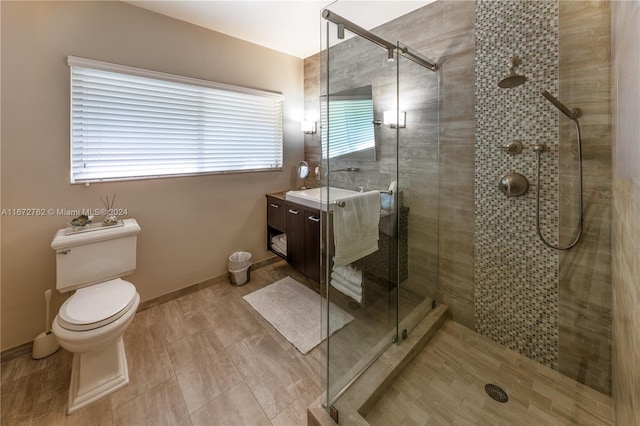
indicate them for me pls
(302, 227)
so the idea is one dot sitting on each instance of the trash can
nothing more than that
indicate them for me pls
(239, 264)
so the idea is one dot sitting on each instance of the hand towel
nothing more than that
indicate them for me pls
(355, 227)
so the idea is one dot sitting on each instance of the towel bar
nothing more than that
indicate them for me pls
(341, 203)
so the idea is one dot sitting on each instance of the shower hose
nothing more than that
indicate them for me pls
(539, 149)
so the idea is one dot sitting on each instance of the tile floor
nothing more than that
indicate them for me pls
(444, 385)
(207, 358)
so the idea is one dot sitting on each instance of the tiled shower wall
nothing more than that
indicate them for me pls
(626, 211)
(516, 276)
(553, 306)
(585, 310)
(581, 289)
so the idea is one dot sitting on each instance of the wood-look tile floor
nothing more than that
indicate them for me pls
(444, 385)
(206, 358)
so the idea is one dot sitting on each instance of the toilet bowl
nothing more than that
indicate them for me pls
(91, 322)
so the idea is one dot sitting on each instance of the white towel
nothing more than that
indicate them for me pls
(388, 201)
(342, 289)
(356, 288)
(279, 244)
(349, 273)
(355, 227)
(280, 238)
(278, 249)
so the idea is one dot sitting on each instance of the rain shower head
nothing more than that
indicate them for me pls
(511, 79)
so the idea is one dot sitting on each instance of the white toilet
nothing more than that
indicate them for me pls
(92, 321)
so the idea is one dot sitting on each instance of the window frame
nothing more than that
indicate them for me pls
(73, 61)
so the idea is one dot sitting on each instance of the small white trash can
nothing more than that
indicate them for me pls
(239, 264)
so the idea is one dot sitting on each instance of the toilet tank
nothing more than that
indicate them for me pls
(94, 255)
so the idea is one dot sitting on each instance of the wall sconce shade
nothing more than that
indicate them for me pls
(308, 127)
(389, 118)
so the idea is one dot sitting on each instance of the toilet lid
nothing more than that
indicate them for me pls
(97, 305)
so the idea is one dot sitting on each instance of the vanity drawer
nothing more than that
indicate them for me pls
(276, 217)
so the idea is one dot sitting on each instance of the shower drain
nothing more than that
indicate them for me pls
(496, 392)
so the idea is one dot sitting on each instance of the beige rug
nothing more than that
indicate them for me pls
(297, 312)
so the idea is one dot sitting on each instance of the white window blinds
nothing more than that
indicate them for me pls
(129, 123)
(350, 126)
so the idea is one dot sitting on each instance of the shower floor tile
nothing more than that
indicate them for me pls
(445, 383)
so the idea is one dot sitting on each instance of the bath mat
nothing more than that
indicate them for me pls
(296, 312)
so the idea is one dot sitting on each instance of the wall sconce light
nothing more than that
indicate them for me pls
(308, 127)
(389, 118)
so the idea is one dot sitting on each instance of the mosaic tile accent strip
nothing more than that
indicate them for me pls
(516, 276)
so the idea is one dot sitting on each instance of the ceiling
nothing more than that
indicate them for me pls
(292, 27)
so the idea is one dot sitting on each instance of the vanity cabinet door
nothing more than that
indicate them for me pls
(295, 236)
(312, 244)
(276, 213)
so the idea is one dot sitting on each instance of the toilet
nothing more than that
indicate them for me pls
(92, 321)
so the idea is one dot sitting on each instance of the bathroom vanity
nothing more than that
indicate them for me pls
(297, 214)
(301, 225)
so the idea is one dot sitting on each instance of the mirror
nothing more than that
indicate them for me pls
(303, 170)
(352, 132)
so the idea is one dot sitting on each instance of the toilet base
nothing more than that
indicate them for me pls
(97, 374)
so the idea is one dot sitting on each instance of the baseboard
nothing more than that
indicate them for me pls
(18, 351)
(199, 286)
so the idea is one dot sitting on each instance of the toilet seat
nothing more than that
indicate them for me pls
(97, 305)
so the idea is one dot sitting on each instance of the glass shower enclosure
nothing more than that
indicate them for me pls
(379, 133)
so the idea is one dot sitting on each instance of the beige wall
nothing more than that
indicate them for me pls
(189, 225)
(625, 52)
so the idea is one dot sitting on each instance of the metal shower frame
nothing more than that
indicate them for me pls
(400, 48)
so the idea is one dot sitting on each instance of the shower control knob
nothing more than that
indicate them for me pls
(513, 184)
(540, 148)
(513, 147)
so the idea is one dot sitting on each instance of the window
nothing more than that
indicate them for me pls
(129, 123)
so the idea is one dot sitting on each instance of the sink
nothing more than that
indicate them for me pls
(316, 198)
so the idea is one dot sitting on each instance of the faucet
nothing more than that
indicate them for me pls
(346, 169)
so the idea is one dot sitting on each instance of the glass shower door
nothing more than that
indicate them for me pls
(359, 153)
(418, 190)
